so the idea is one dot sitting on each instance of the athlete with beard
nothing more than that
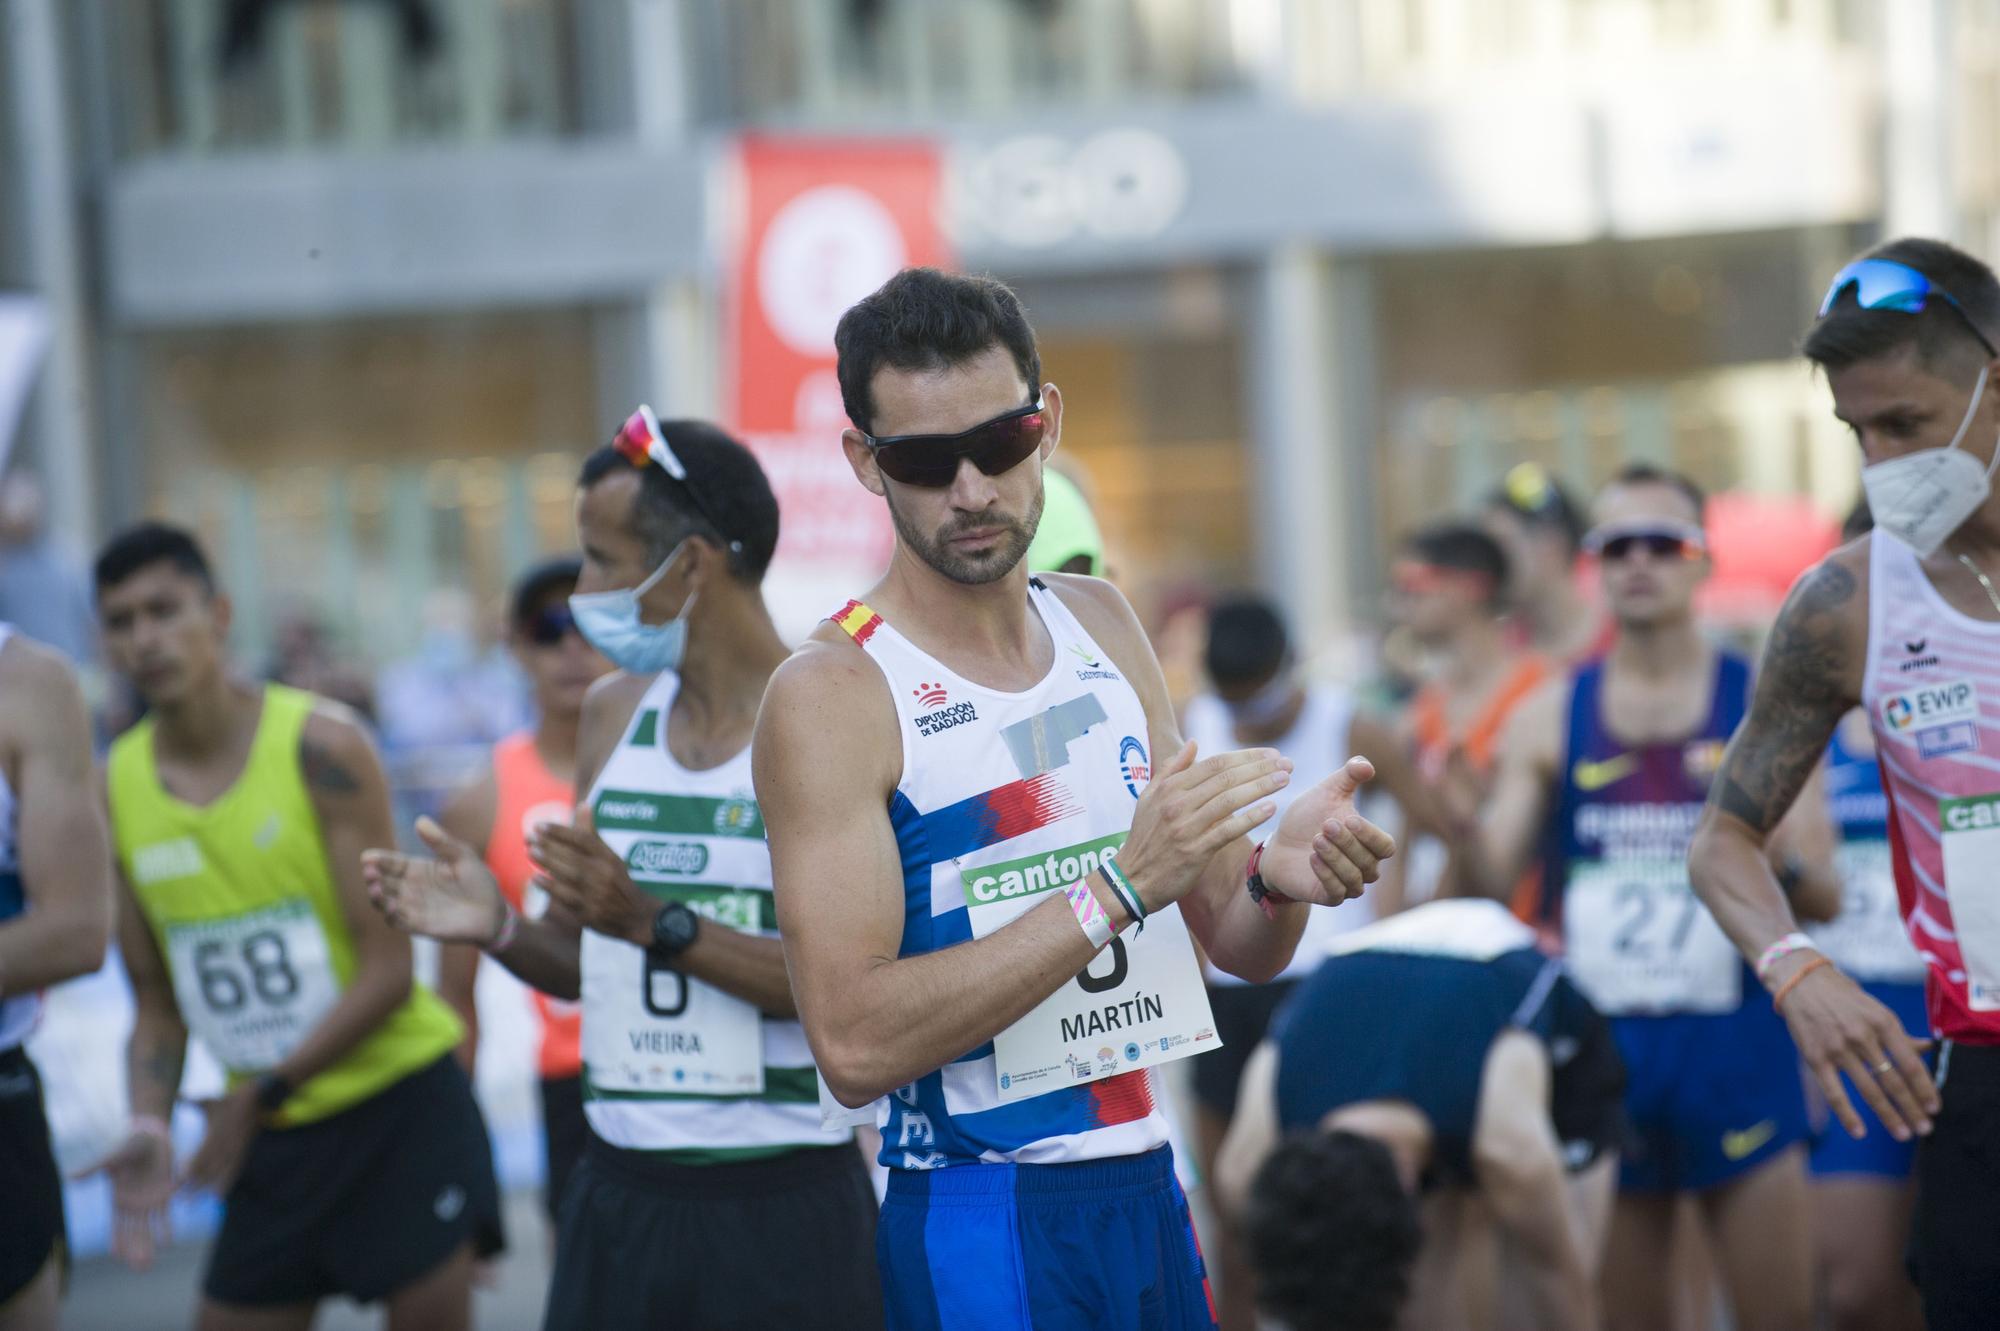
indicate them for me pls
(985, 886)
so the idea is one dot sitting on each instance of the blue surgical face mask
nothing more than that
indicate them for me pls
(609, 621)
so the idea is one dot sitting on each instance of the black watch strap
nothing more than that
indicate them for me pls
(273, 1089)
(675, 927)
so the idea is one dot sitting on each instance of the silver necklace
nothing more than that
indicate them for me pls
(1984, 581)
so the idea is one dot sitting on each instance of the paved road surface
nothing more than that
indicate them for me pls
(104, 1296)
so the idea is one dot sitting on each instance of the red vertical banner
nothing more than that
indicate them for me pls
(821, 223)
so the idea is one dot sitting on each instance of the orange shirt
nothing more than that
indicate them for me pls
(1435, 743)
(529, 796)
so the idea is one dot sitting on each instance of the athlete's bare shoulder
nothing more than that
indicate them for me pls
(36, 683)
(827, 697)
(1820, 637)
(30, 671)
(336, 753)
(1810, 677)
(1541, 712)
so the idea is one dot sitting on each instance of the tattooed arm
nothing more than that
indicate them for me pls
(1811, 677)
(350, 796)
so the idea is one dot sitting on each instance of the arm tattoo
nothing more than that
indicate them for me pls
(1800, 698)
(161, 1067)
(323, 771)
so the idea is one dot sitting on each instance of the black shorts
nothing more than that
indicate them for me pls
(784, 1242)
(361, 1203)
(1243, 1013)
(1587, 1081)
(1956, 1241)
(31, 1199)
(564, 1131)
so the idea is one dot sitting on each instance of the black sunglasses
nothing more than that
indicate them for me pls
(549, 627)
(931, 460)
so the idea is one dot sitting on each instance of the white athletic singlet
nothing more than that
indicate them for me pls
(1004, 798)
(18, 1014)
(1317, 745)
(669, 1063)
(1932, 691)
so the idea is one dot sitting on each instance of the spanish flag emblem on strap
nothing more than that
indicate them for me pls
(858, 622)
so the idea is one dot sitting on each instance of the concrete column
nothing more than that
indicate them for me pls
(1312, 416)
(1919, 79)
(661, 348)
(58, 429)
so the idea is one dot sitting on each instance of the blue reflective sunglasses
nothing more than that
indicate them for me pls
(1884, 284)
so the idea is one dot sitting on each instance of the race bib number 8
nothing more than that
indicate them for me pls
(1638, 940)
(649, 1029)
(1139, 1003)
(251, 986)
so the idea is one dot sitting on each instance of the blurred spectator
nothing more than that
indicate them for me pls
(1067, 540)
(302, 656)
(1448, 590)
(1257, 700)
(43, 592)
(1541, 530)
(452, 691)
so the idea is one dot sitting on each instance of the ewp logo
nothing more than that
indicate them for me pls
(1897, 713)
(1133, 764)
(930, 695)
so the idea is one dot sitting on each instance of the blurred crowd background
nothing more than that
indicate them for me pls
(350, 286)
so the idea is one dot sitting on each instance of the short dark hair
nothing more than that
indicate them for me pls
(736, 503)
(1535, 497)
(145, 544)
(1332, 1234)
(1647, 473)
(1465, 548)
(541, 583)
(926, 319)
(1848, 334)
(1247, 641)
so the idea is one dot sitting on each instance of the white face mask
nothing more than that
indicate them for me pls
(1923, 497)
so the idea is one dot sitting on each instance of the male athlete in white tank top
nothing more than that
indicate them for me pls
(970, 782)
(55, 919)
(1906, 622)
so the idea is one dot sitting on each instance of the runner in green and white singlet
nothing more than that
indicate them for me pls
(671, 1063)
(707, 1152)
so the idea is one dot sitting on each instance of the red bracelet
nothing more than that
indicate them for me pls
(1261, 892)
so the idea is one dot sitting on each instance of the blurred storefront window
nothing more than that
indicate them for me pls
(342, 470)
(217, 76)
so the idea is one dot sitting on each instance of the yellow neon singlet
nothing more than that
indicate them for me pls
(244, 908)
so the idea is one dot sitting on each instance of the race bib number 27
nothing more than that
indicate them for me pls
(1638, 940)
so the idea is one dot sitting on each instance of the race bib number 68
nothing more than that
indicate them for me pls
(251, 986)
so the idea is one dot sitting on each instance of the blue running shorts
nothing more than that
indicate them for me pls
(1101, 1244)
(1710, 1096)
(1878, 1154)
